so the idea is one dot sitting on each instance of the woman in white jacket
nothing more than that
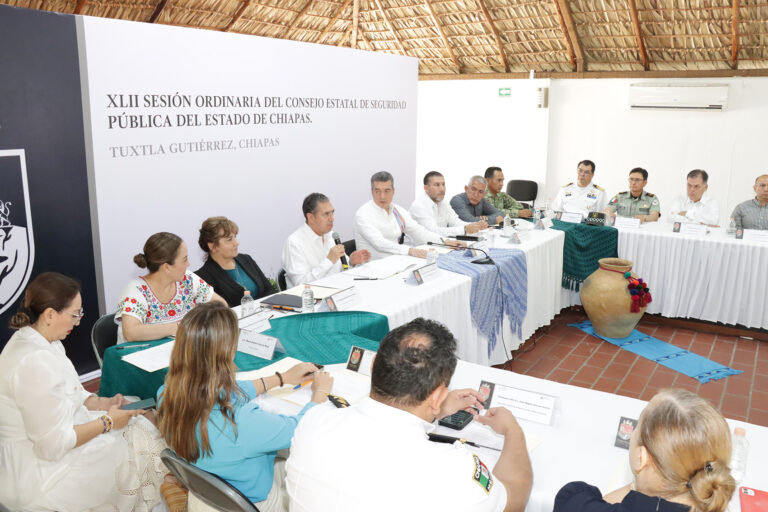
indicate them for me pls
(62, 448)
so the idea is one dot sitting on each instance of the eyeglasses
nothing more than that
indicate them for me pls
(77, 316)
(636, 180)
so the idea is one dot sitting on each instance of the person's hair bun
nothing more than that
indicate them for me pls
(140, 260)
(712, 486)
(20, 319)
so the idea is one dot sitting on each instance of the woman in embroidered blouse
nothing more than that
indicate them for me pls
(208, 418)
(62, 448)
(229, 272)
(152, 306)
(679, 454)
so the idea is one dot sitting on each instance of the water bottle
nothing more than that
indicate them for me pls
(731, 229)
(739, 454)
(247, 304)
(307, 300)
(507, 225)
(431, 256)
(536, 214)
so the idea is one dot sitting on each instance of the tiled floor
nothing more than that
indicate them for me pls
(566, 354)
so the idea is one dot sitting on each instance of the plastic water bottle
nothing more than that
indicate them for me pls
(247, 304)
(507, 225)
(739, 454)
(431, 255)
(731, 229)
(307, 300)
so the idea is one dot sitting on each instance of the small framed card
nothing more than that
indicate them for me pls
(624, 432)
(755, 235)
(543, 223)
(626, 223)
(524, 404)
(259, 345)
(360, 360)
(692, 228)
(344, 300)
(423, 274)
(573, 218)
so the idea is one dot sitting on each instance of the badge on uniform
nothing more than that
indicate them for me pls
(482, 475)
(624, 432)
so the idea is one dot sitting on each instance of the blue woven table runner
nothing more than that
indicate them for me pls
(675, 358)
(485, 296)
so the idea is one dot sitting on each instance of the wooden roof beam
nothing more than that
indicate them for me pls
(439, 27)
(496, 34)
(735, 42)
(391, 27)
(639, 34)
(355, 23)
(570, 34)
(158, 9)
(79, 7)
(237, 16)
(333, 20)
(295, 21)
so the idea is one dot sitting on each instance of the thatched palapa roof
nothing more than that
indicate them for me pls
(490, 38)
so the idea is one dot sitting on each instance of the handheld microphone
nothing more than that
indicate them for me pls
(484, 261)
(337, 241)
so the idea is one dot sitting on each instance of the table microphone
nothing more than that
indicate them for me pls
(484, 261)
(337, 241)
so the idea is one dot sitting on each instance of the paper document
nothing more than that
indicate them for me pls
(340, 281)
(484, 435)
(152, 359)
(386, 267)
(527, 405)
(438, 248)
(347, 384)
(320, 292)
(281, 366)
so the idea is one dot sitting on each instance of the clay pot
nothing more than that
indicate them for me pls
(607, 301)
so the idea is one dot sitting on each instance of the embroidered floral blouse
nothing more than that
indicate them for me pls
(138, 300)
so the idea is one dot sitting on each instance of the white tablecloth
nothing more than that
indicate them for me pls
(710, 277)
(579, 443)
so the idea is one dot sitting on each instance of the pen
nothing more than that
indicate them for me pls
(286, 308)
(366, 278)
(297, 386)
(439, 438)
(121, 347)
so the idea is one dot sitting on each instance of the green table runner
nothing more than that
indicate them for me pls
(584, 245)
(323, 338)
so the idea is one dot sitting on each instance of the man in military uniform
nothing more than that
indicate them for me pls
(583, 196)
(504, 202)
(635, 202)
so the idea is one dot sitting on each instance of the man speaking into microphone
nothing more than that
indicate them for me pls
(313, 251)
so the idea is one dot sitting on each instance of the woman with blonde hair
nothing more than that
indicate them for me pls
(679, 454)
(152, 306)
(62, 448)
(208, 419)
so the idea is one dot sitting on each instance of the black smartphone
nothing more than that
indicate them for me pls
(456, 421)
(147, 403)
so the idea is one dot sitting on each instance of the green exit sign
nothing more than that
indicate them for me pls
(505, 91)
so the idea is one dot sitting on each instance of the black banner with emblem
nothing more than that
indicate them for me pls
(45, 222)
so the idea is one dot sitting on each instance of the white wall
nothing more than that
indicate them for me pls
(464, 126)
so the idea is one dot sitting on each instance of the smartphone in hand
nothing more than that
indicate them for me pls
(148, 403)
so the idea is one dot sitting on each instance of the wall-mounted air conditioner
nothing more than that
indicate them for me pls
(678, 97)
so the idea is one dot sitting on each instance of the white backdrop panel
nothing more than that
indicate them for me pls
(142, 186)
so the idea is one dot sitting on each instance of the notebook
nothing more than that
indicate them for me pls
(283, 299)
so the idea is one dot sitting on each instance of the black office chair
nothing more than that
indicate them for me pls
(523, 190)
(103, 336)
(350, 246)
(281, 280)
(207, 487)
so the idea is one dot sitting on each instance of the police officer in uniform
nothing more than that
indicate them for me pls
(583, 196)
(636, 202)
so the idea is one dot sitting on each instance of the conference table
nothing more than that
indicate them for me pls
(711, 277)
(578, 444)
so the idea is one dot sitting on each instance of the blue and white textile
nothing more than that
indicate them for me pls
(488, 305)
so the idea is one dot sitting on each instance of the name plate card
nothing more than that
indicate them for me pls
(257, 322)
(259, 345)
(689, 228)
(573, 218)
(514, 238)
(544, 223)
(344, 300)
(524, 404)
(423, 274)
(756, 235)
(360, 360)
(626, 223)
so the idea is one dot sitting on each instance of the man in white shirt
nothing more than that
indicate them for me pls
(375, 455)
(431, 211)
(583, 196)
(381, 226)
(697, 206)
(310, 252)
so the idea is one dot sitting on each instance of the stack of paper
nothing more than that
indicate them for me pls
(152, 359)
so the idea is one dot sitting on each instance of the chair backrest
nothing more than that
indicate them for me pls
(3, 508)
(281, 280)
(350, 246)
(523, 190)
(103, 336)
(207, 487)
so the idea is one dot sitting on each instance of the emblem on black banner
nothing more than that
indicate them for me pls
(17, 246)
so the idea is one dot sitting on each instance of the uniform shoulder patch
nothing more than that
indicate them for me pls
(650, 195)
(482, 475)
(568, 184)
